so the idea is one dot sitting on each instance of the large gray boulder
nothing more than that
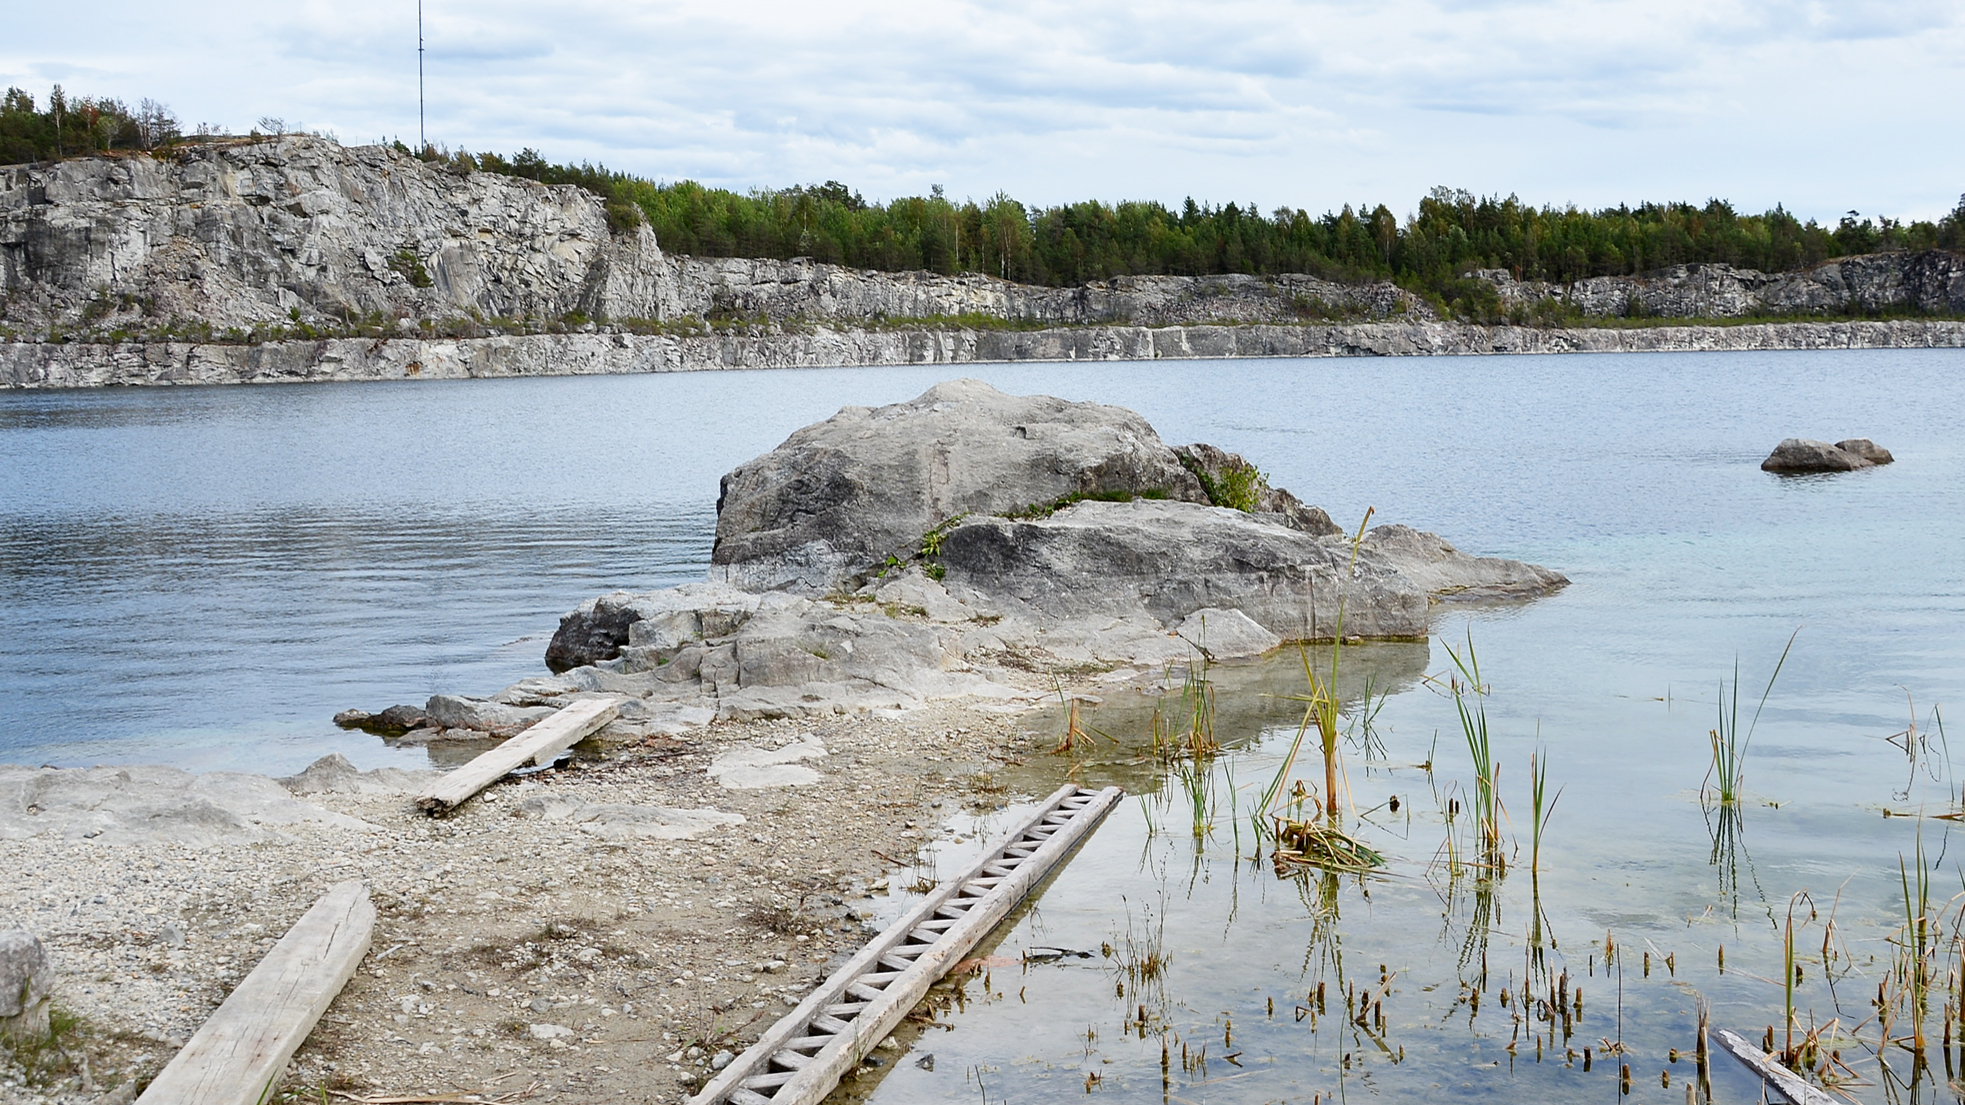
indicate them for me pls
(1170, 561)
(27, 986)
(840, 497)
(1801, 454)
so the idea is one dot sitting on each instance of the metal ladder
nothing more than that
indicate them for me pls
(800, 1059)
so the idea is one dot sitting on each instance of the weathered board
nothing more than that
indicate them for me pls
(800, 1059)
(238, 1056)
(543, 740)
(1780, 1079)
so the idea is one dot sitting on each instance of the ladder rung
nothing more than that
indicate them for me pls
(769, 1081)
(845, 1010)
(809, 1043)
(742, 1096)
(862, 990)
(830, 1024)
(790, 1059)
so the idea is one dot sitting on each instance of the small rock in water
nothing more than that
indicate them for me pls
(926, 1062)
(1800, 454)
(1866, 449)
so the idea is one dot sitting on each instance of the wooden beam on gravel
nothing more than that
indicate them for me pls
(240, 1054)
(539, 743)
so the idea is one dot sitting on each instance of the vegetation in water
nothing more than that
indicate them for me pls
(1729, 744)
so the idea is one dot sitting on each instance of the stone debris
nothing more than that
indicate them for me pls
(566, 898)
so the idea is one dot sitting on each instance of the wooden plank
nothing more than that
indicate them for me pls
(1782, 1080)
(882, 1015)
(238, 1056)
(825, 999)
(540, 742)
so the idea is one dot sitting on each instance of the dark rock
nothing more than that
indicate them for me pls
(1866, 449)
(1800, 454)
(392, 722)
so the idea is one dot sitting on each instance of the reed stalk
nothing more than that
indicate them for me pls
(1487, 811)
(1729, 746)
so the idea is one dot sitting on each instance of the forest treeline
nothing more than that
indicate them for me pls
(79, 125)
(1432, 250)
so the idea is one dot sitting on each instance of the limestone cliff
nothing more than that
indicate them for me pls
(303, 230)
(297, 258)
(1932, 281)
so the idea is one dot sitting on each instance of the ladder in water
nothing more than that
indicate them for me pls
(802, 1057)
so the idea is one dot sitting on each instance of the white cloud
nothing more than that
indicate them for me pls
(1821, 105)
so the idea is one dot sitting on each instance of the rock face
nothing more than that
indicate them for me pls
(1801, 455)
(27, 986)
(301, 229)
(1930, 280)
(76, 364)
(141, 269)
(839, 498)
(1022, 537)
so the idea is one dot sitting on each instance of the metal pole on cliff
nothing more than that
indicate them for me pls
(422, 136)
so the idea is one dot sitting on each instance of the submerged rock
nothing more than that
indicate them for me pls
(1801, 454)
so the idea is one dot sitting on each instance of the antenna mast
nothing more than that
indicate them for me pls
(422, 136)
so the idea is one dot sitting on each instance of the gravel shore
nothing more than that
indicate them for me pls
(549, 939)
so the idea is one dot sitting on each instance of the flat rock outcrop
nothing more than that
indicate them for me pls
(133, 804)
(964, 541)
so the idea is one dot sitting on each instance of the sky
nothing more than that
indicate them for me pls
(1822, 107)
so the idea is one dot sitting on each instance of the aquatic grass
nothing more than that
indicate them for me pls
(1541, 805)
(1729, 745)
(1486, 805)
(1321, 705)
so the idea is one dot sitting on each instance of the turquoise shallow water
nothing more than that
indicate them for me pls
(204, 576)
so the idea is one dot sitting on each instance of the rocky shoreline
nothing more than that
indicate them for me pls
(79, 364)
(897, 596)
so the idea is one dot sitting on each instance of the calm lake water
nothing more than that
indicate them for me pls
(204, 576)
